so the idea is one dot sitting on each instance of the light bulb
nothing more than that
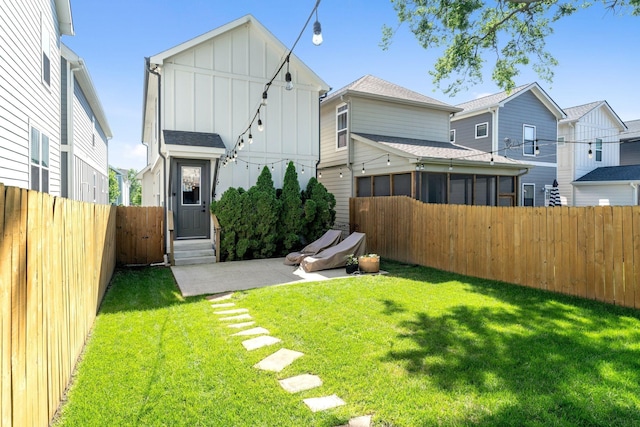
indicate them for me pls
(317, 34)
(241, 144)
(289, 85)
(363, 168)
(264, 98)
(340, 173)
(250, 138)
(590, 154)
(491, 163)
(260, 127)
(388, 160)
(537, 150)
(320, 174)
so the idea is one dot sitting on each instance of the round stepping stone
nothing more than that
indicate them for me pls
(301, 383)
(252, 331)
(317, 404)
(238, 317)
(234, 311)
(278, 360)
(240, 325)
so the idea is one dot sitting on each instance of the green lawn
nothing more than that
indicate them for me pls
(417, 347)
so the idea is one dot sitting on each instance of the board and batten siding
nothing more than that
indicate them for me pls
(217, 86)
(466, 131)
(400, 120)
(24, 99)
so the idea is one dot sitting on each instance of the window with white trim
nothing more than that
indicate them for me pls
(528, 140)
(598, 149)
(46, 53)
(341, 126)
(39, 161)
(561, 141)
(452, 135)
(528, 194)
(482, 130)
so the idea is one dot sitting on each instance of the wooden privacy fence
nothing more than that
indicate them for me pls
(57, 257)
(140, 235)
(591, 252)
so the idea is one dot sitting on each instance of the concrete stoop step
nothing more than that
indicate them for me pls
(191, 252)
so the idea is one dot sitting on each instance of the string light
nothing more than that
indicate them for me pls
(491, 162)
(590, 152)
(260, 126)
(287, 77)
(388, 160)
(241, 144)
(537, 149)
(302, 169)
(250, 138)
(317, 31)
(340, 172)
(320, 174)
(363, 168)
(264, 98)
(451, 164)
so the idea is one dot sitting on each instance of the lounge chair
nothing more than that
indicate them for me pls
(330, 238)
(336, 256)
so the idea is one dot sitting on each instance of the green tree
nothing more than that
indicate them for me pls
(114, 188)
(135, 189)
(319, 212)
(263, 213)
(229, 212)
(472, 32)
(290, 226)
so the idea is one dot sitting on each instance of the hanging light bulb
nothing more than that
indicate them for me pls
(451, 165)
(537, 149)
(250, 138)
(247, 166)
(590, 152)
(264, 98)
(340, 173)
(388, 160)
(235, 155)
(271, 167)
(363, 168)
(241, 144)
(421, 166)
(491, 162)
(302, 169)
(320, 174)
(287, 77)
(260, 127)
(317, 32)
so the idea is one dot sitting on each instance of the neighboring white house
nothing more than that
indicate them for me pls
(588, 139)
(84, 167)
(381, 139)
(30, 92)
(200, 96)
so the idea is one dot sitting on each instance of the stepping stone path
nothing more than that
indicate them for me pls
(279, 360)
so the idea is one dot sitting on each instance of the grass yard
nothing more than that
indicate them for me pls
(417, 347)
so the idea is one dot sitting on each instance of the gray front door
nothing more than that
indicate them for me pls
(193, 198)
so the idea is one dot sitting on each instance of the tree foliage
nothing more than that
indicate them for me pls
(135, 189)
(319, 210)
(291, 216)
(508, 34)
(114, 188)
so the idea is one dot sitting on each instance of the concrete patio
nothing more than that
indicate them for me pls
(214, 278)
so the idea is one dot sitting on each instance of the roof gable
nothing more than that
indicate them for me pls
(264, 33)
(579, 112)
(373, 87)
(480, 105)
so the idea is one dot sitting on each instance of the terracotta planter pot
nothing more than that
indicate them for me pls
(369, 264)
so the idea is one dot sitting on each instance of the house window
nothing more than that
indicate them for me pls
(95, 184)
(341, 126)
(561, 141)
(39, 161)
(528, 194)
(529, 140)
(598, 149)
(46, 53)
(452, 135)
(482, 130)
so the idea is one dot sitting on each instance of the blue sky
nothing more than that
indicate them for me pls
(597, 51)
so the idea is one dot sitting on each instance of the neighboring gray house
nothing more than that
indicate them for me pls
(630, 144)
(381, 139)
(85, 132)
(588, 139)
(521, 125)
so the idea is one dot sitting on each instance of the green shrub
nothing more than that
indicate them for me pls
(290, 225)
(319, 210)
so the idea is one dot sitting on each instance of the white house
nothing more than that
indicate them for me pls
(200, 96)
(30, 89)
(84, 167)
(588, 139)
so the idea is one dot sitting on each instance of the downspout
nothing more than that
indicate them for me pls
(320, 98)
(164, 159)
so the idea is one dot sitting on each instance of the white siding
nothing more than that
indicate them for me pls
(341, 189)
(387, 118)
(217, 87)
(566, 162)
(24, 99)
(615, 195)
(84, 132)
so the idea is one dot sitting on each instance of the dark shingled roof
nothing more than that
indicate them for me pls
(612, 173)
(196, 139)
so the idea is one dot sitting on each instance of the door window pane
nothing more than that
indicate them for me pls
(190, 185)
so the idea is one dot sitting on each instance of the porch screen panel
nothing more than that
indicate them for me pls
(382, 185)
(485, 190)
(460, 187)
(364, 186)
(434, 188)
(402, 184)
